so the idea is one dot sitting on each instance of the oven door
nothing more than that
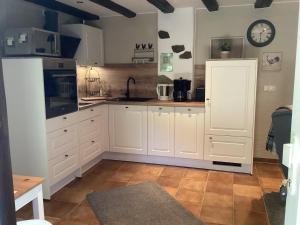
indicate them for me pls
(60, 92)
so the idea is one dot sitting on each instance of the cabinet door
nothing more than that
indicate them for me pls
(94, 46)
(228, 149)
(161, 131)
(104, 137)
(128, 129)
(189, 132)
(230, 97)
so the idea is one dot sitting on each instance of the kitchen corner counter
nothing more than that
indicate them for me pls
(153, 102)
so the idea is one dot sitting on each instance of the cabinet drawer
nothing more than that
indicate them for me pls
(163, 109)
(92, 112)
(62, 121)
(128, 107)
(90, 150)
(228, 149)
(88, 126)
(61, 141)
(63, 165)
(189, 109)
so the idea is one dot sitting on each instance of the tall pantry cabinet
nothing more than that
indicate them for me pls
(230, 110)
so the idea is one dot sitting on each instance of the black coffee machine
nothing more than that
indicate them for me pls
(181, 88)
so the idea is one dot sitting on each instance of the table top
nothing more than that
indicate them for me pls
(23, 184)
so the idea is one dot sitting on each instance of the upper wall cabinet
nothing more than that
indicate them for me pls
(91, 49)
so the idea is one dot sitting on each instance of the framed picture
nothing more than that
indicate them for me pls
(226, 47)
(166, 62)
(271, 61)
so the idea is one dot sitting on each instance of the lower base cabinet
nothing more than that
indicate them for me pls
(228, 149)
(128, 129)
(189, 132)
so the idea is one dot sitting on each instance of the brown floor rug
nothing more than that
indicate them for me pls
(141, 204)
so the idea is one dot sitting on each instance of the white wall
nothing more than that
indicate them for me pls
(234, 21)
(180, 26)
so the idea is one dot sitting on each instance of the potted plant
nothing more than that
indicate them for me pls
(225, 49)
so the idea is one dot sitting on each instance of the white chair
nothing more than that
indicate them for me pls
(33, 222)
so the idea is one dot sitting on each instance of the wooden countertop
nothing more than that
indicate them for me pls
(23, 184)
(154, 102)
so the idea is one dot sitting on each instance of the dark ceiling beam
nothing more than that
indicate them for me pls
(162, 5)
(115, 7)
(58, 6)
(263, 3)
(211, 5)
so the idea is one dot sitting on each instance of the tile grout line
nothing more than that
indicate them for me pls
(204, 191)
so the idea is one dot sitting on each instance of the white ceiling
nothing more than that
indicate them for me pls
(143, 6)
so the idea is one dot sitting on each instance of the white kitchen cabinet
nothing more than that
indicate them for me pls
(228, 149)
(161, 131)
(91, 48)
(128, 129)
(230, 97)
(189, 132)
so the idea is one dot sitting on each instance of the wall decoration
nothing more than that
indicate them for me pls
(143, 53)
(272, 61)
(178, 48)
(226, 47)
(186, 55)
(163, 34)
(166, 62)
(261, 33)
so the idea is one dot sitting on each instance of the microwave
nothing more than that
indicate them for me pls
(31, 42)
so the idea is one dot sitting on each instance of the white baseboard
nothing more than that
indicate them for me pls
(200, 164)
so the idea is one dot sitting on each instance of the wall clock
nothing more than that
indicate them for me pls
(261, 33)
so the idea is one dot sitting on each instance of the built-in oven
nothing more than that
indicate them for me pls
(60, 83)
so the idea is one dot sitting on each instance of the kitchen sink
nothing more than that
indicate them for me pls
(133, 99)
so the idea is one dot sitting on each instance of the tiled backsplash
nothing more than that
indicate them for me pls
(114, 77)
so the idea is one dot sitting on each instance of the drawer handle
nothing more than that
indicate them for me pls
(93, 142)
(189, 110)
(92, 110)
(66, 156)
(65, 130)
(160, 108)
(92, 120)
(65, 118)
(126, 107)
(210, 138)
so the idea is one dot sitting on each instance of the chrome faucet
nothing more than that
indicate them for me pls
(127, 94)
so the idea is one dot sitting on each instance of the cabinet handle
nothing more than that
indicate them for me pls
(207, 99)
(65, 130)
(189, 110)
(126, 107)
(93, 142)
(66, 156)
(92, 120)
(92, 110)
(64, 117)
(210, 138)
(160, 108)
(95, 63)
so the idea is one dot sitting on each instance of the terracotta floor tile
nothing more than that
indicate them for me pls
(242, 217)
(120, 176)
(110, 185)
(174, 172)
(270, 183)
(219, 188)
(192, 207)
(70, 222)
(245, 179)
(218, 200)
(109, 165)
(52, 220)
(130, 167)
(58, 209)
(217, 215)
(71, 195)
(192, 184)
(200, 175)
(25, 213)
(143, 178)
(83, 214)
(171, 191)
(189, 196)
(247, 191)
(269, 170)
(151, 169)
(168, 182)
(220, 177)
(249, 204)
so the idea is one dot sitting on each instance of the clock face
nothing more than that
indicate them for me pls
(261, 33)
